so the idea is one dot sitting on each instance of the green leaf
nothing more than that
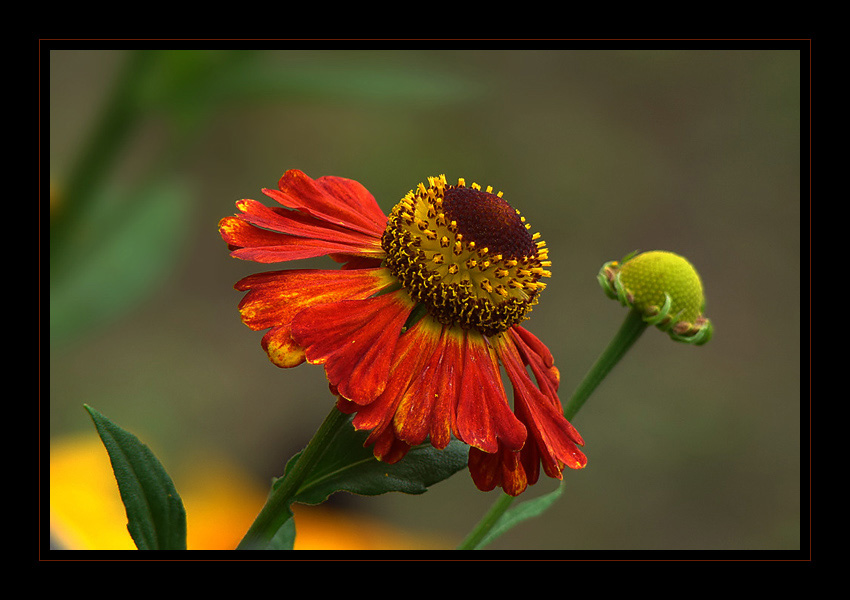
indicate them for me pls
(519, 513)
(347, 465)
(284, 539)
(156, 518)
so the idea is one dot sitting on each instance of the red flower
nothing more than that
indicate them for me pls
(413, 328)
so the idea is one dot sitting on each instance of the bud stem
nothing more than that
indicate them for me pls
(629, 332)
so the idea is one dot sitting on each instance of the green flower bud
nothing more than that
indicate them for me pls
(665, 288)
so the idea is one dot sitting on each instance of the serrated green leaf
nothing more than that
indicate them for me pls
(156, 518)
(348, 466)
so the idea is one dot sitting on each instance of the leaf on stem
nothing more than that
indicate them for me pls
(346, 465)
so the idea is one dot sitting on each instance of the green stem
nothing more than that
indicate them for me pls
(276, 510)
(486, 523)
(629, 332)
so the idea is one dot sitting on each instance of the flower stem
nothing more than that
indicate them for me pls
(276, 510)
(486, 523)
(629, 332)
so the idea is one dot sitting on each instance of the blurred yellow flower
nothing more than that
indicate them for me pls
(221, 502)
(85, 508)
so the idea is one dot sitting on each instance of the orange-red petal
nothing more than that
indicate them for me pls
(329, 215)
(415, 410)
(275, 297)
(388, 448)
(420, 398)
(355, 340)
(281, 348)
(534, 344)
(406, 361)
(248, 242)
(303, 225)
(336, 200)
(446, 384)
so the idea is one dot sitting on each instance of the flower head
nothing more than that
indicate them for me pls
(665, 288)
(466, 255)
(415, 327)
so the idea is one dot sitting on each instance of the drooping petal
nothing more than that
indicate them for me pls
(514, 478)
(421, 398)
(547, 375)
(530, 453)
(355, 340)
(484, 467)
(536, 354)
(336, 200)
(483, 413)
(534, 343)
(275, 297)
(386, 447)
(556, 438)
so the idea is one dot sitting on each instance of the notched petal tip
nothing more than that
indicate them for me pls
(503, 468)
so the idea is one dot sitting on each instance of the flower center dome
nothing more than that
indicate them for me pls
(466, 255)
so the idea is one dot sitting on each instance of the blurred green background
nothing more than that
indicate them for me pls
(604, 151)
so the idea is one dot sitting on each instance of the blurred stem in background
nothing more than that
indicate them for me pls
(113, 242)
(99, 153)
